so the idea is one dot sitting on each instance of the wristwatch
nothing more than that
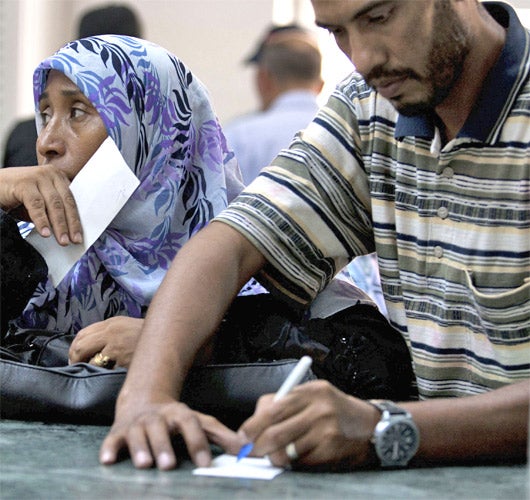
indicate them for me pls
(396, 437)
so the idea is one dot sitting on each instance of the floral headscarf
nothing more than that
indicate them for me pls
(160, 117)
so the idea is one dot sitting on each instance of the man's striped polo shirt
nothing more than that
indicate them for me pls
(450, 223)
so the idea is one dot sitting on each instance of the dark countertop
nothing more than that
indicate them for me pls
(54, 461)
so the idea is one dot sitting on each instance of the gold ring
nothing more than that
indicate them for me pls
(290, 451)
(103, 361)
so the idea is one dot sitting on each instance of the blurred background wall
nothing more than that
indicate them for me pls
(211, 36)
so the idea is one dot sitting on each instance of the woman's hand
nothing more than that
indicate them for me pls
(326, 426)
(115, 338)
(42, 195)
(145, 429)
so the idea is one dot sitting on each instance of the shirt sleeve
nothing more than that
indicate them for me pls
(309, 212)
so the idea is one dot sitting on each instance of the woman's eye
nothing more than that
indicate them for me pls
(77, 112)
(44, 117)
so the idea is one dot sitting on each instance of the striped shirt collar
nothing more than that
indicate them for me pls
(500, 87)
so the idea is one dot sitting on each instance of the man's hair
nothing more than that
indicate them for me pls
(292, 57)
(110, 20)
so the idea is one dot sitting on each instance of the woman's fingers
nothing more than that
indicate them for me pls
(44, 192)
(64, 216)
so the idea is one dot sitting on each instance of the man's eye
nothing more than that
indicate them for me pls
(336, 32)
(379, 17)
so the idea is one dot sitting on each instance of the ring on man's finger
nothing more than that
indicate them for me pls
(290, 451)
(103, 361)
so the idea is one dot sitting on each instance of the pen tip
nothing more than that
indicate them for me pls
(244, 451)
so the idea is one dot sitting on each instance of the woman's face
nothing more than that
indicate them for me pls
(72, 129)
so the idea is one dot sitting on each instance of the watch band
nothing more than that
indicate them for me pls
(384, 405)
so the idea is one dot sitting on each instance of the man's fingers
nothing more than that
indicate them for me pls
(139, 449)
(220, 434)
(195, 438)
(111, 447)
(260, 420)
(148, 438)
(158, 437)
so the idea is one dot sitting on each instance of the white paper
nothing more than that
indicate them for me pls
(100, 190)
(248, 468)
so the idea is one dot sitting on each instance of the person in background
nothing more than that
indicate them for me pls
(288, 80)
(114, 19)
(422, 156)
(161, 119)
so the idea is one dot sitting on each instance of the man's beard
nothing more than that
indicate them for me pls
(450, 47)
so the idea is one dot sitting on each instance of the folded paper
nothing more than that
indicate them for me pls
(248, 468)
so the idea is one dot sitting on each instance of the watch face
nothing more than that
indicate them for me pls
(397, 442)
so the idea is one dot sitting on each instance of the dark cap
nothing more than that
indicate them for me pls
(110, 20)
(273, 33)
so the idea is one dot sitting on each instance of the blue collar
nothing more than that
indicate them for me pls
(499, 89)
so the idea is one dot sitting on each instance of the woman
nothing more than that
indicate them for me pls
(160, 117)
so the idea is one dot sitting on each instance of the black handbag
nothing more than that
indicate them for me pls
(85, 394)
(257, 345)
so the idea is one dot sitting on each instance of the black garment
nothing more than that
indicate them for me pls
(21, 270)
(21, 145)
(355, 349)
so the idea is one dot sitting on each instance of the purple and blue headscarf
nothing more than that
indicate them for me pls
(161, 119)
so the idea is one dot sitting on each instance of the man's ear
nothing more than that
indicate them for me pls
(267, 86)
(319, 85)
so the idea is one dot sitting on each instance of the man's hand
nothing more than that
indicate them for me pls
(114, 337)
(326, 427)
(42, 195)
(145, 430)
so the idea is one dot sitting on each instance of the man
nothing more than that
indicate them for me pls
(427, 163)
(288, 66)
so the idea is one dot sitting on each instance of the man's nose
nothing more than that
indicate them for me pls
(366, 54)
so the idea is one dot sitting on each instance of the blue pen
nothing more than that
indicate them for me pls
(291, 381)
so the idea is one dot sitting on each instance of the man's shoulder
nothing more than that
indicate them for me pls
(246, 125)
(240, 122)
(353, 96)
(355, 85)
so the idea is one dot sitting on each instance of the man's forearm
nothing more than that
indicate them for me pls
(490, 425)
(178, 324)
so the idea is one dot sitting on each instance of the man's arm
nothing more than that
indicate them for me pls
(333, 429)
(204, 278)
(490, 425)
